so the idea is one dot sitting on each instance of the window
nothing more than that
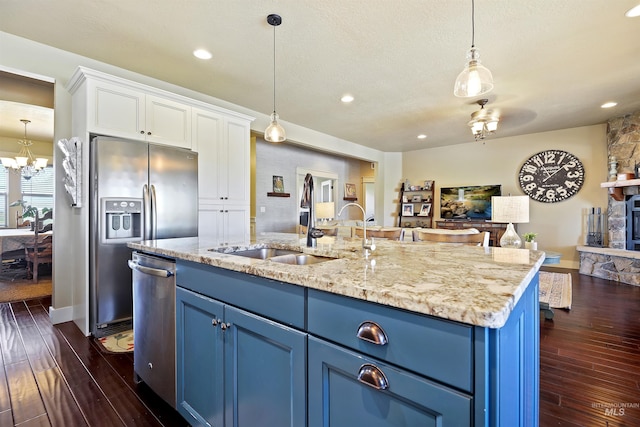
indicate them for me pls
(4, 195)
(38, 190)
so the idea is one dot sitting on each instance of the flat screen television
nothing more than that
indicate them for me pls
(466, 203)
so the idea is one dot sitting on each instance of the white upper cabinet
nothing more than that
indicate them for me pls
(223, 148)
(120, 111)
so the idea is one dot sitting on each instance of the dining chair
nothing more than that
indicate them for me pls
(41, 251)
(382, 233)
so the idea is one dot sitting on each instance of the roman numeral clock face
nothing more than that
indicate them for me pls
(551, 176)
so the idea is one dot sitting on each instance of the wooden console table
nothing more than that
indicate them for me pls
(495, 229)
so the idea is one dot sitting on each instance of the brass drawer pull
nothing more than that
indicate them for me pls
(373, 376)
(372, 332)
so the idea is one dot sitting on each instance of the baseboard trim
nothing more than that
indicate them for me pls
(60, 315)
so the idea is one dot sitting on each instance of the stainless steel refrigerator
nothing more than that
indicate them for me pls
(140, 191)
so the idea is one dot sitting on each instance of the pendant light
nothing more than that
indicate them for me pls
(274, 132)
(475, 79)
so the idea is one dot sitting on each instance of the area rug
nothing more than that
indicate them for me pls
(22, 290)
(555, 289)
(120, 342)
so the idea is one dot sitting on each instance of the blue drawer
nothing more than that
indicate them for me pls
(275, 300)
(436, 348)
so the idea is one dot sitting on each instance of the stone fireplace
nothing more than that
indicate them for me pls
(616, 262)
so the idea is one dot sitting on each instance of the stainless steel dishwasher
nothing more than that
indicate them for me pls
(154, 311)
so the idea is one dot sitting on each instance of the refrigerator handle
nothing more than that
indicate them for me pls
(154, 213)
(146, 233)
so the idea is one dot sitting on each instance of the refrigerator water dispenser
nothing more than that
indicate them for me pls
(122, 220)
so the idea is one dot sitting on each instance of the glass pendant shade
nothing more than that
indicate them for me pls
(274, 132)
(475, 79)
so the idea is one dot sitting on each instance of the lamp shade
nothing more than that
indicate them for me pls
(510, 209)
(325, 210)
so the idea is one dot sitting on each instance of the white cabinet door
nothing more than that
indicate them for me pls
(118, 111)
(234, 183)
(168, 122)
(236, 223)
(210, 224)
(224, 224)
(207, 134)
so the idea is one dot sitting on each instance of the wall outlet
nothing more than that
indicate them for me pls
(263, 209)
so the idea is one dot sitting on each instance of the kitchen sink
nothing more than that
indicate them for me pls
(284, 256)
(263, 253)
(300, 259)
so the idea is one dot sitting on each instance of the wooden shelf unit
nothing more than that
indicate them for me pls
(426, 197)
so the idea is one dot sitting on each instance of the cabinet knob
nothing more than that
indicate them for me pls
(148, 133)
(215, 322)
(150, 365)
(141, 132)
(226, 210)
(225, 326)
(372, 332)
(373, 376)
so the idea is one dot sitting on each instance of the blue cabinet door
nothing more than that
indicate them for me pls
(199, 359)
(340, 394)
(265, 372)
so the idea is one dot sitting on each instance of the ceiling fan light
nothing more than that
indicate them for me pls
(492, 125)
(275, 132)
(476, 127)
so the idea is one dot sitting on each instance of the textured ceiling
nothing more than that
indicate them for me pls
(554, 62)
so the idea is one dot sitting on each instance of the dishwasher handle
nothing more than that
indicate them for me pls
(148, 270)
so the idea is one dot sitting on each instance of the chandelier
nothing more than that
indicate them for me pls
(483, 122)
(25, 163)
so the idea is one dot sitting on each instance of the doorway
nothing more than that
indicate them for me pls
(27, 108)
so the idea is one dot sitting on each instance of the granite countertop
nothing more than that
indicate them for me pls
(473, 285)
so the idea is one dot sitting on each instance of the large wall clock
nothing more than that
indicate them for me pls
(551, 176)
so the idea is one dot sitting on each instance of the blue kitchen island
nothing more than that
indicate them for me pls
(412, 334)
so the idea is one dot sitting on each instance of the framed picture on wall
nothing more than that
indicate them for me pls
(278, 184)
(350, 191)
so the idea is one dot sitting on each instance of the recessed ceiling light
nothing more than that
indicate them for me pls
(609, 105)
(633, 12)
(347, 98)
(422, 136)
(202, 54)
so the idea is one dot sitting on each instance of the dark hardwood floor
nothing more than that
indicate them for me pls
(55, 376)
(590, 357)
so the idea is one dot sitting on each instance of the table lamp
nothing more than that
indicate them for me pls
(325, 211)
(510, 209)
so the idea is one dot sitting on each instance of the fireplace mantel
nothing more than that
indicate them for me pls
(615, 187)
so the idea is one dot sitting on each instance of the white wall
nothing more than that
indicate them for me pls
(560, 226)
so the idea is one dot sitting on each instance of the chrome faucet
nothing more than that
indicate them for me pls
(307, 202)
(366, 244)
